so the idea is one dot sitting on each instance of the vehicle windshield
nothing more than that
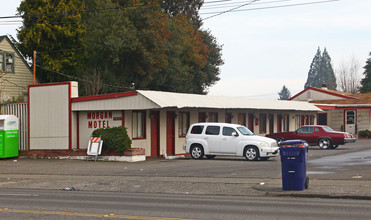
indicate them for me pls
(244, 131)
(327, 129)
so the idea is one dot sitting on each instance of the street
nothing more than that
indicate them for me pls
(51, 204)
(221, 188)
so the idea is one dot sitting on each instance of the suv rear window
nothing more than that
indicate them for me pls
(197, 129)
(212, 130)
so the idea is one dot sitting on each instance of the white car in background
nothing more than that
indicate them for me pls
(212, 139)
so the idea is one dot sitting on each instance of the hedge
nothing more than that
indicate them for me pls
(114, 139)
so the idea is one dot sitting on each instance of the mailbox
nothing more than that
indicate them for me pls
(9, 141)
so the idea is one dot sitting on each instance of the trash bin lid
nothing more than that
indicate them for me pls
(294, 143)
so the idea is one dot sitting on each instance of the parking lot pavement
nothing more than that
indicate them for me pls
(220, 176)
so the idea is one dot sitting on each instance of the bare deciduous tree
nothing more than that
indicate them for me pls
(349, 76)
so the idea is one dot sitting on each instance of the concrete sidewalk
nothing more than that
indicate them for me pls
(111, 176)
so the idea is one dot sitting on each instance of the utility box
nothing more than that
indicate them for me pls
(9, 140)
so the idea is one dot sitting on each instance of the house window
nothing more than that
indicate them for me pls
(322, 119)
(213, 117)
(6, 62)
(183, 123)
(139, 124)
(262, 123)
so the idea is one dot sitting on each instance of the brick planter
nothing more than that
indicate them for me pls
(77, 153)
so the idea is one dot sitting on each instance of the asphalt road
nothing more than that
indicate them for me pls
(49, 204)
(221, 188)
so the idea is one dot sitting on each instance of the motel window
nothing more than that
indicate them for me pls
(262, 123)
(139, 124)
(183, 123)
(213, 117)
(6, 62)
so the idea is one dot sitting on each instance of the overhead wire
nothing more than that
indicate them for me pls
(269, 7)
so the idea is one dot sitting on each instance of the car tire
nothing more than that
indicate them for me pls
(324, 143)
(197, 152)
(210, 156)
(251, 153)
(279, 140)
(334, 146)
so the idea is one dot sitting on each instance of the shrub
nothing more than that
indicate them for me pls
(114, 139)
(365, 133)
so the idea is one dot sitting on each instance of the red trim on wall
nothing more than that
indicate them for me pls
(50, 84)
(323, 91)
(105, 96)
(28, 113)
(69, 116)
(78, 129)
(326, 107)
(123, 118)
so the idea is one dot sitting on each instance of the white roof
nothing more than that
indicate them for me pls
(182, 100)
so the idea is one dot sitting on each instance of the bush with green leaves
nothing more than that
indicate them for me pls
(364, 133)
(114, 139)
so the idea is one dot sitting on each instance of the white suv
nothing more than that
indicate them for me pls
(213, 139)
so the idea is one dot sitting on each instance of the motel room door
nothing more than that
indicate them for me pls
(170, 133)
(350, 121)
(155, 133)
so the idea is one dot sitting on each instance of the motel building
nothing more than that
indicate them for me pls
(58, 119)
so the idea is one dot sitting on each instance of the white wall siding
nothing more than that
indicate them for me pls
(336, 120)
(363, 119)
(133, 102)
(49, 117)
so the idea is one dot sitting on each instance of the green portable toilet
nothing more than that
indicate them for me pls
(9, 141)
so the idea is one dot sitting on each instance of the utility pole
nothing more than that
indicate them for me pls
(34, 67)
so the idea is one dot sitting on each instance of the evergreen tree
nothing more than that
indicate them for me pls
(321, 71)
(284, 94)
(327, 71)
(314, 71)
(366, 82)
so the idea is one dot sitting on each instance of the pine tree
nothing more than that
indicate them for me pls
(321, 71)
(366, 82)
(314, 71)
(329, 77)
(284, 94)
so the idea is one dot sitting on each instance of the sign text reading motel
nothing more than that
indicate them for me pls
(99, 119)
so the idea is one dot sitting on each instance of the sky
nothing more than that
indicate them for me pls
(265, 49)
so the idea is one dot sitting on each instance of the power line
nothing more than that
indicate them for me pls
(232, 9)
(269, 7)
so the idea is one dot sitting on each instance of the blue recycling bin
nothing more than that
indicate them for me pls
(294, 164)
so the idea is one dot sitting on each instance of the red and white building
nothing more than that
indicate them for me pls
(156, 121)
(341, 111)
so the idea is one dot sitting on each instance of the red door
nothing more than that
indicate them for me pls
(251, 122)
(155, 134)
(170, 133)
(279, 122)
(271, 123)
